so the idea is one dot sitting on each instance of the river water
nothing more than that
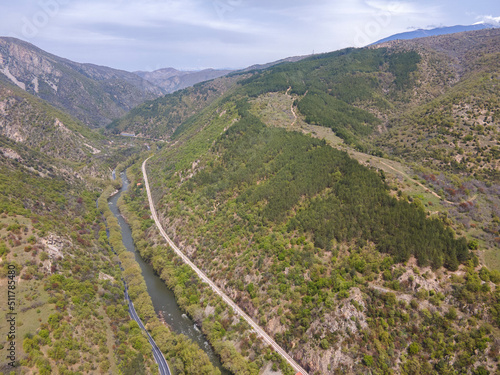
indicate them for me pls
(163, 298)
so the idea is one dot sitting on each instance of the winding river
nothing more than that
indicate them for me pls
(163, 298)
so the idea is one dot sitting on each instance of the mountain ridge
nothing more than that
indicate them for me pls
(94, 94)
(171, 79)
(351, 267)
(422, 33)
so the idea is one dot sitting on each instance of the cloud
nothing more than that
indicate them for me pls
(151, 14)
(489, 20)
(133, 34)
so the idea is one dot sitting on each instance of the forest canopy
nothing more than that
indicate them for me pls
(335, 198)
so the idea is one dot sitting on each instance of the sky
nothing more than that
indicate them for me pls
(196, 34)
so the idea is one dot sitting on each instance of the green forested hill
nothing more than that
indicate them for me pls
(429, 105)
(315, 247)
(160, 118)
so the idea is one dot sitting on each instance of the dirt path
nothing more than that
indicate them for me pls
(415, 181)
(291, 107)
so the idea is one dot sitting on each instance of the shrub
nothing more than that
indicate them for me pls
(368, 360)
(414, 348)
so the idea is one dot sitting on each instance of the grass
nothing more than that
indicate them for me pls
(31, 299)
(491, 257)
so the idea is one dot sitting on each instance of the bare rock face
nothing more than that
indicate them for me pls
(96, 95)
(25, 120)
(346, 319)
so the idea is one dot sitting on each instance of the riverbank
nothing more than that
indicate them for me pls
(241, 350)
(182, 354)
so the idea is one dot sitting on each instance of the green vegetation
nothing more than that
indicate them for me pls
(333, 85)
(160, 118)
(402, 65)
(294, 167)
(218, 322)
(69, 300)
(345, 120)
(296, 231)
(383, 264)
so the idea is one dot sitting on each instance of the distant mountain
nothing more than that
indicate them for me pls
(422, 33)
(170, 79)
(94, 94)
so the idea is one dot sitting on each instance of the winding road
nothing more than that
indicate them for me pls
(159, 358)
(157, 354)
(214, 287)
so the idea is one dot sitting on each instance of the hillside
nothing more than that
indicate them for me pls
(56, 257)
(159, 118)
(96, 95)
(35, 124)
(51, 170)
(276, 219)
(428, 104)
(351, 267)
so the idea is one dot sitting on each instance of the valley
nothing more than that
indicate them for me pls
(333, 213)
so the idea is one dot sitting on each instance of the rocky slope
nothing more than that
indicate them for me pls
(94, 94)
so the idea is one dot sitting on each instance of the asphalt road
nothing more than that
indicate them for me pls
(159, 358)
(157, 354)
(214, 287)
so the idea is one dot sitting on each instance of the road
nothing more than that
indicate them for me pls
(159, 358)
(418, 183)
(214, 287)
(157, 354)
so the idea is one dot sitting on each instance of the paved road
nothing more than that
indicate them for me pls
(159, 358)
(214, 287)
(157, 354)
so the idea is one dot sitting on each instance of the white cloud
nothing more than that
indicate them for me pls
(155, 14)
(219, 33)
(489, 19)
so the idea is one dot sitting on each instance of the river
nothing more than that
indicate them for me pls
(163, 298)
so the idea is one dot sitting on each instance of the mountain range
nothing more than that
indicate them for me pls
(170, 79)
(422, 33)
(348, 202)
(344, 201)
(93, 94)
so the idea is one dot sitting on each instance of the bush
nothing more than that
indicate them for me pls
(368, 360)
(324, 344)
(451, 314)
(414, 348)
